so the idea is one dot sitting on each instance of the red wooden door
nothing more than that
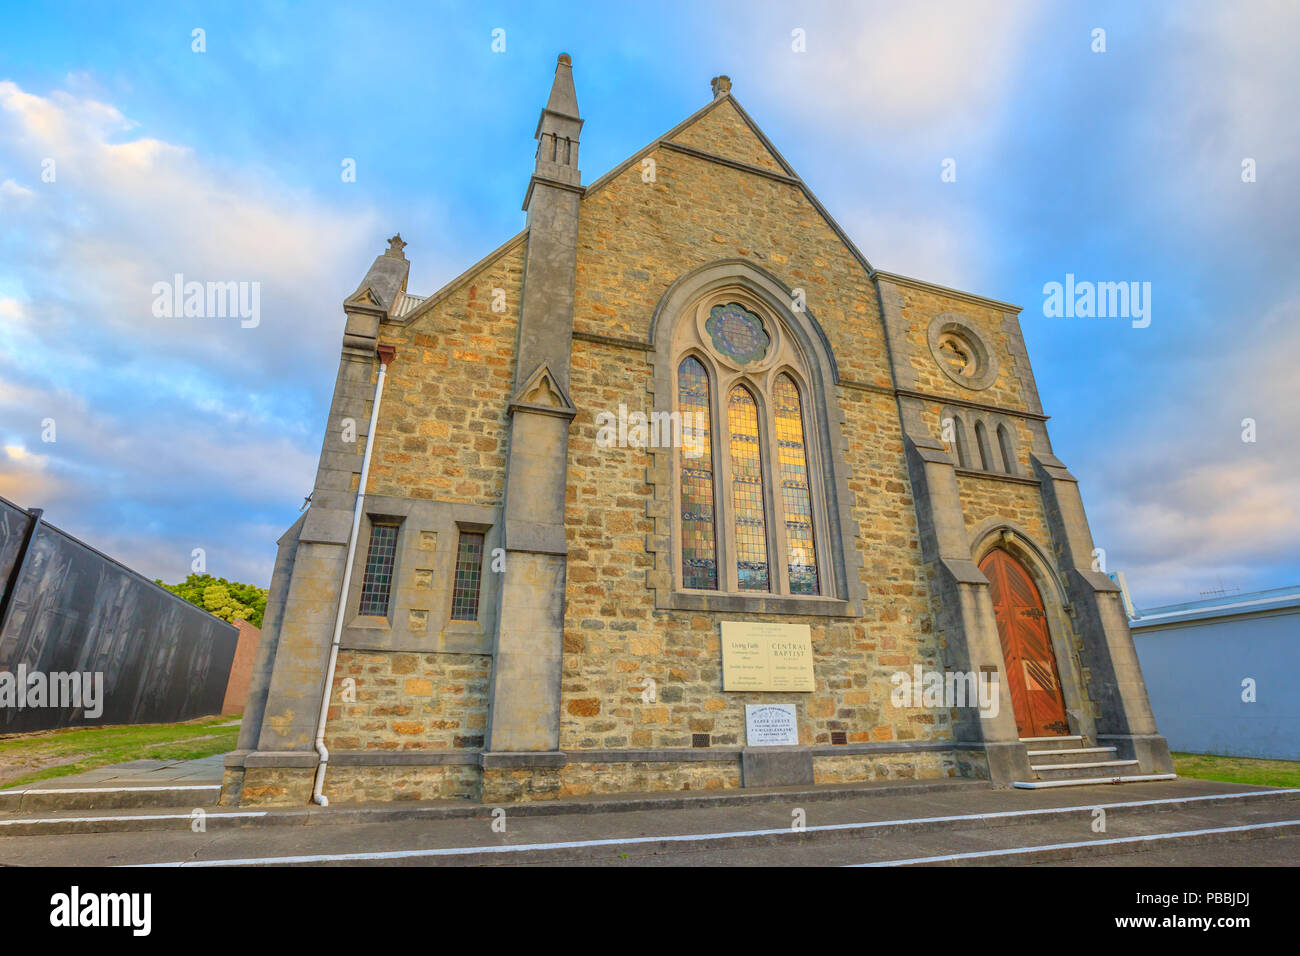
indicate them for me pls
(1035, 683)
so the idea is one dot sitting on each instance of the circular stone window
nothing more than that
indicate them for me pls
(962, 352)
(737, 333)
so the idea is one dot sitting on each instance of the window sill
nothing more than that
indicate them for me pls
(731, 602)
(370, 622)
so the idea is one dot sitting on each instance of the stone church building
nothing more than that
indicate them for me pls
(491, 598)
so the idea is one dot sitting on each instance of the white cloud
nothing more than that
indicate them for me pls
(160, 415)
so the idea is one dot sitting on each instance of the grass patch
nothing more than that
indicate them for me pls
(26, 758)
(1248, 770)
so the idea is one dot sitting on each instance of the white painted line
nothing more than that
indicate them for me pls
(1113, 841)
(628, 841)
(1070, 750)
(209, 814)
(1026, 740)
(214, 786)
(1083, 781)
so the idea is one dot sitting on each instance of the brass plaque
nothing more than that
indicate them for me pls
(767, 657)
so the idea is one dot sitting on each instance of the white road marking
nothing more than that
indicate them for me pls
(152, 816)
(1072, 846)
(732, 835)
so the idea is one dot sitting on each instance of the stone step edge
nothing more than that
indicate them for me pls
(16, 800)
(1035, 740)
(1071, 750)
(1085, 781)
(344, 813)
(1082, 766)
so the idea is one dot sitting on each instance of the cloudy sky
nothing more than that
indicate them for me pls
(1122, 165)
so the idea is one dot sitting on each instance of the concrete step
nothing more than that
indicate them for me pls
(1053, 743)
(1085, 769)
(1091, 781)
(1071, 755)
(44, 798)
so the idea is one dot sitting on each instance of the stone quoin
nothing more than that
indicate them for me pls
(874, 469)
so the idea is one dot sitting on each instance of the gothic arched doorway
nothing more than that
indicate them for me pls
(1033, 678)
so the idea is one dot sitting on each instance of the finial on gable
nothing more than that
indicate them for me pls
(721, 86)
(395, 247)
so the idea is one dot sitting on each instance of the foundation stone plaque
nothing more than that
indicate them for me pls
(771, 725)
(767, 657)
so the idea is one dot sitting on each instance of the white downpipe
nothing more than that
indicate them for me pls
(318, 787)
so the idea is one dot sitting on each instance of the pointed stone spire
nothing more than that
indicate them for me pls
(558, 128)
(563, 101)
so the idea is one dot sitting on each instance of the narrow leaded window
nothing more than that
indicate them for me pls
(377, 583)
(747, 491)
(469, 573)
(699, 547)
(982, 440)
(1008, 457)
(795, 493)
(959, 439)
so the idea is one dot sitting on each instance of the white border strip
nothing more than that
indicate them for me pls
(207, 814)
(205, 786)
(1113, 841)
(682, 838)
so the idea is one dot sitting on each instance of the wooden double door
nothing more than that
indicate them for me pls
(1034, 679)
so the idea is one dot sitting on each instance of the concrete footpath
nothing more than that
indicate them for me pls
(1179, 822)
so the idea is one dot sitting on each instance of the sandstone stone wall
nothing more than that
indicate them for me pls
(408, 701)
(442, 430)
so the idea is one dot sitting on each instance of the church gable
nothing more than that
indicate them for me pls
(724, 131)
(638, 236)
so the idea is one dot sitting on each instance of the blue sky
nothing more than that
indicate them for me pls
(1123, 165)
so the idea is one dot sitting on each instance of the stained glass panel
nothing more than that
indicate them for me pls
(699, 547)
(747, 491)
(795, 495)
(737, 332)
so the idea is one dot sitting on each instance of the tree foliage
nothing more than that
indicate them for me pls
(228, 600)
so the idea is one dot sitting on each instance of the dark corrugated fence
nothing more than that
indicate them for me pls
(69, 609)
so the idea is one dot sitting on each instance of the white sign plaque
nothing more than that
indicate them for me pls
(771, 725)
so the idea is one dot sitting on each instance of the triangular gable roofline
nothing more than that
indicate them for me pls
(872, 272)
(767, 144)
(461, 279)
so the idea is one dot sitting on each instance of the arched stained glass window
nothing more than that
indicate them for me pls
(747, 491)
(699, 545)
(795, 493)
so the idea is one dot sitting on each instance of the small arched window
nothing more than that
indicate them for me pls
(1004, 445)
(982, 440)
(959, 440)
